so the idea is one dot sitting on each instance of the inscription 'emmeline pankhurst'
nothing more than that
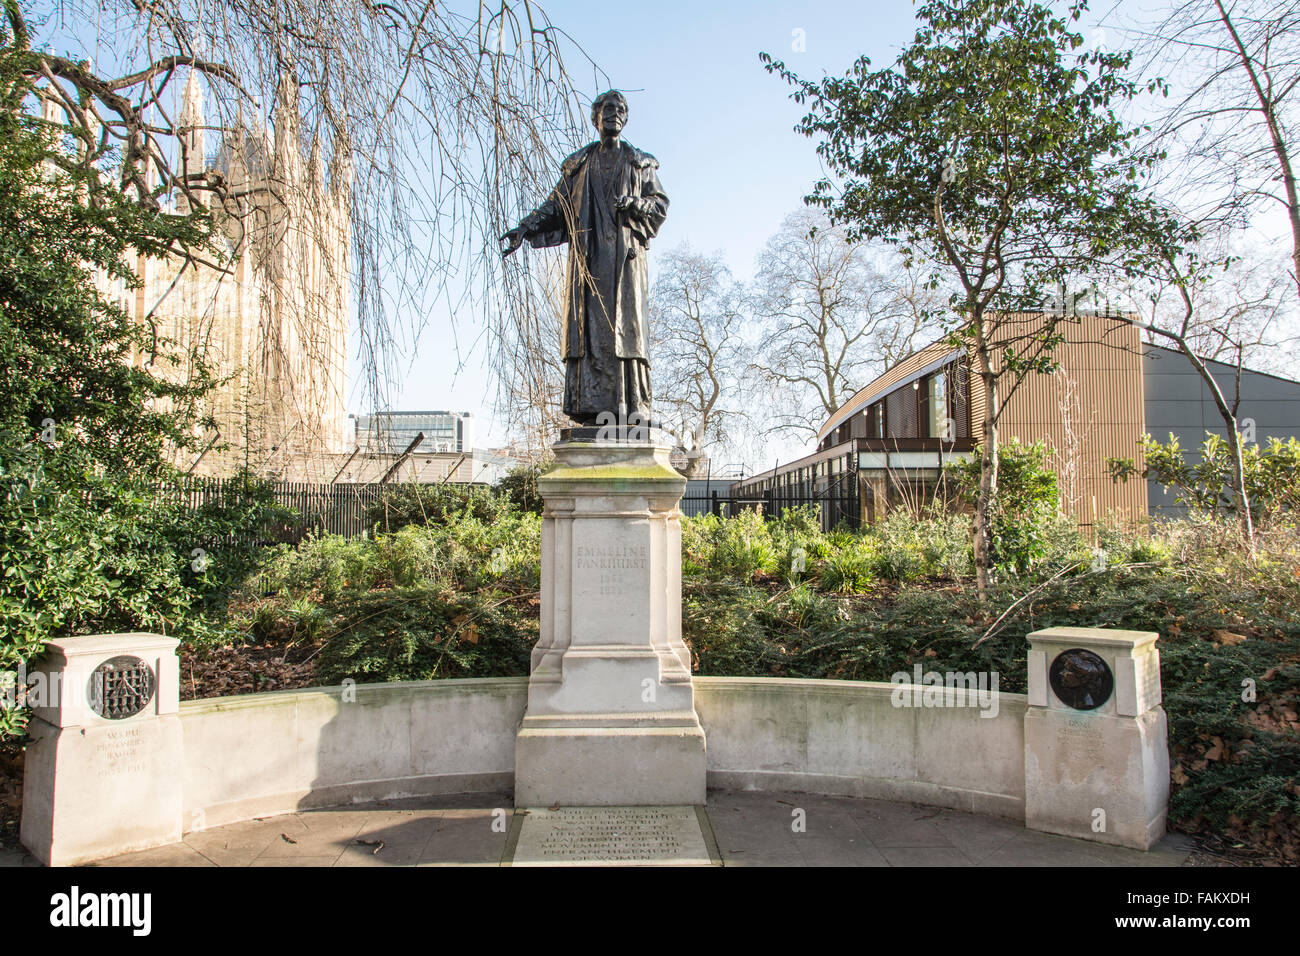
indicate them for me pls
(607, 206)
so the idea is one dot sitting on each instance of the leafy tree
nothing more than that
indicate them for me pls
(1026, 501)
(85, 549)
(520, 484)
(86, 542)
(71, 355)
(1210, 486)
(991, 150)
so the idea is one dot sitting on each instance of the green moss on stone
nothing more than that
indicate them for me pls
(610, 473)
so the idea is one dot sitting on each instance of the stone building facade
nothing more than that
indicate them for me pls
(273, 324)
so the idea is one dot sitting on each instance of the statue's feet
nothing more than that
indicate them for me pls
(598, 421)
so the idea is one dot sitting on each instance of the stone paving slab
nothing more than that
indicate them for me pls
(743, 829)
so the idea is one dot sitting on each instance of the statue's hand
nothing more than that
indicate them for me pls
(627, 205)
(511, 241)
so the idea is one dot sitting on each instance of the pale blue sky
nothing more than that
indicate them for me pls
(720, 125)
(700, 101)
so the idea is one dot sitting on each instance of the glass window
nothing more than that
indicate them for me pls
(937, 399)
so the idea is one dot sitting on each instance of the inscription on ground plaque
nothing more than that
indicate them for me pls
(612, 836)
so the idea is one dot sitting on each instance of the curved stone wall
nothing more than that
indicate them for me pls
(849, 738)
(262, 754)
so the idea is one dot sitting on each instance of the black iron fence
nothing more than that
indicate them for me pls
(836, 504)
(333, 509)
(341, 509)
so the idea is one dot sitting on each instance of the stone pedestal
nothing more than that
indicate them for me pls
(611, 713)
(1096, 768)
(102, 774)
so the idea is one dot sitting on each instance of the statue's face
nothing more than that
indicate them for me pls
(612, 117)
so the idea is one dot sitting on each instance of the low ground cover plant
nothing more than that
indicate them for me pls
(455, 593)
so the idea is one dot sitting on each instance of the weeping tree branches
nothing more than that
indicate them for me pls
(124, 115)
(530, 390)
(437, 124)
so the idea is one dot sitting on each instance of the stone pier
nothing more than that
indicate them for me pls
(1096, 736)
(611, 717)
(103, 771)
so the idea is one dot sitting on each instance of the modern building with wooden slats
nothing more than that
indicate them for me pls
(887, 445)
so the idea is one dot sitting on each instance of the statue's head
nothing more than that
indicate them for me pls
(609, 112)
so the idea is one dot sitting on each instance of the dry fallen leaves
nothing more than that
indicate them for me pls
(1227, 638)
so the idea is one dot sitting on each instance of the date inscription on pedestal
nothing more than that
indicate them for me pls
(612, 836)
(122, 751)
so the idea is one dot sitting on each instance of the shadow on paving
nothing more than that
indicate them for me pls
(750, 828)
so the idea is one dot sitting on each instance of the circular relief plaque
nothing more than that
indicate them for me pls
(121, 687)
(1081, 679)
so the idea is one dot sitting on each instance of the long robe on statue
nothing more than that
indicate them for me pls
(607, 370)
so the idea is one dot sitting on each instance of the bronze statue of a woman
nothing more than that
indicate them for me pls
(607, 206)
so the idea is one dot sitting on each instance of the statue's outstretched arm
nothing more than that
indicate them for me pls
(547, 225)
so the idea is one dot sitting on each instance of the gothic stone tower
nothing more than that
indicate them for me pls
(274, 326)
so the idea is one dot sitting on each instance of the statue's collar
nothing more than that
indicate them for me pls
(634, 155)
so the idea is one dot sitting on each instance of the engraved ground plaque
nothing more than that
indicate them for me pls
(612, 836)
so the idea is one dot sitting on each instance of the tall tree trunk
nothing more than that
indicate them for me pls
(982, 526)
(1241, 500)
(1239, 495)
